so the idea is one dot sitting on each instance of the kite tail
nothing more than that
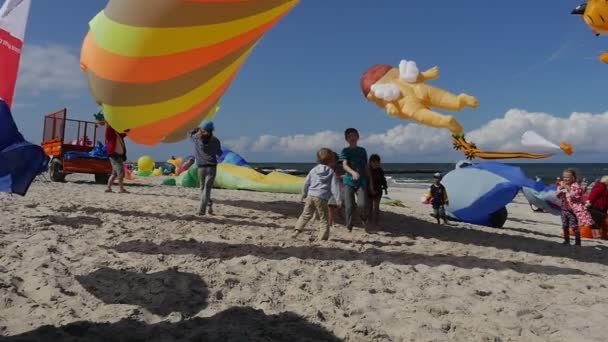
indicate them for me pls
(471, 151)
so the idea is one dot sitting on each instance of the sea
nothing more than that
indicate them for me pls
(413, 174)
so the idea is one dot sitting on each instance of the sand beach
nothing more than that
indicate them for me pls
(78, 264)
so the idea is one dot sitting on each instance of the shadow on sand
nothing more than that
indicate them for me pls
(74, 222)
(161, 293)
(401, 225)
(172, 217)
(233, 324)
(374, 257)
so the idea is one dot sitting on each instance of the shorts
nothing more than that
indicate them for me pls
(118, 168)
(439, 212)
(598, 218)
(332, 202)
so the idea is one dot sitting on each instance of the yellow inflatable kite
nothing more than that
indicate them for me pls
(595, 15)
(403, 93)
(160, 67)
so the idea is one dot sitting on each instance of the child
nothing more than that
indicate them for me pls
(377, 186)
(332, 203)
(354, 161)
(573, 209)
(321, 183)
(439, 198)
(207, 148)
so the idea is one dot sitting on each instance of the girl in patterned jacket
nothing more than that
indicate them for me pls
(574, 213)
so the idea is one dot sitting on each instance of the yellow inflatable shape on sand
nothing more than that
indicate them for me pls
(242, 178)
(160, 67)
(236, 177)
(176, 162)
(145, 163)
(402, 92)
(595, 15)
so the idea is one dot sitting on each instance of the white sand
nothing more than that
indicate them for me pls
(114, 267)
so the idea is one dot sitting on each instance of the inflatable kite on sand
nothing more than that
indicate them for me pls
(230, 157)
(236, 177)
(403, 93)
(595, 15)
(479, 193)
(20, 161)
(160, 67)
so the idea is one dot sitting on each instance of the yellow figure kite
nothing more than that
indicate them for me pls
(403, 93)
(595, 15)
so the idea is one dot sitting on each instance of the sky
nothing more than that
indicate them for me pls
(531, 64)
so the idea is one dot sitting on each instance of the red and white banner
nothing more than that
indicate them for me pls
(13, 20)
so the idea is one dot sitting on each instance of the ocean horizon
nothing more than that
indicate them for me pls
(408, 173)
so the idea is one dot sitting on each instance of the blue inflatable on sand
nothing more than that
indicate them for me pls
(479, 193)
(20, 160)
(230, 157)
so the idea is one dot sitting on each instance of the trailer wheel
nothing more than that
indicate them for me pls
(101, 178)
(55, 173)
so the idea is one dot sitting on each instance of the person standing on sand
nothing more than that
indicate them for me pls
(573, 210)
(438, 196)
(597, 205)
(207, 148)
(321, 183)
(377, 186)
(334, 207)
(356, 178)
(117, 153)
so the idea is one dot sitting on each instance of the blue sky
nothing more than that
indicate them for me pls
(303, 78)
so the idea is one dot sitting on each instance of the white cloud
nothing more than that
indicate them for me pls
(240, 144)
(51, 68)
(408, 139)
(298, 143)
(582, 130)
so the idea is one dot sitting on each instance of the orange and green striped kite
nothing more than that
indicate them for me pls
(160, 67)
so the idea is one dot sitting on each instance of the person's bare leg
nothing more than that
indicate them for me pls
(377, 210)
(331, 215)
(121, 185)
(110, 182)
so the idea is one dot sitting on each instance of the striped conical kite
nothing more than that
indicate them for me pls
(160, 67)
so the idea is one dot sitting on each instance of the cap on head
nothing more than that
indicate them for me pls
(208, 126)
(437, 175)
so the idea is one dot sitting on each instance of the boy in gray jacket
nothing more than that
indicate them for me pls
(321, 184)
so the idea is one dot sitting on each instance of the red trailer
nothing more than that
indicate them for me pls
(67, 141)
